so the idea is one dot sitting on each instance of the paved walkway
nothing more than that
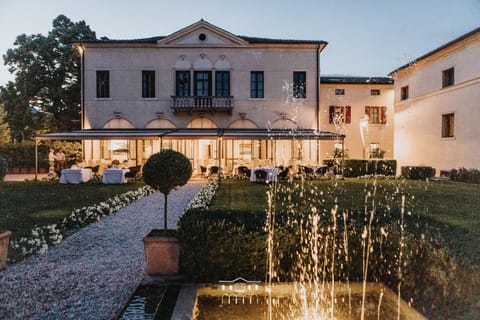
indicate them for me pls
(92, 274)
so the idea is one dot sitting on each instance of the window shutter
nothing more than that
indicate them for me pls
(383, 114)
(367, 112)
(348, 114)
(332, 113)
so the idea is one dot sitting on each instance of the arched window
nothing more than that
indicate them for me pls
(118, 123)
(201, 123)
(159, 123)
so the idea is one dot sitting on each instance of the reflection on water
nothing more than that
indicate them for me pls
(151, 302)
(346, 307)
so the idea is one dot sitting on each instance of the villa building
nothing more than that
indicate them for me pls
(218, 98)
(437, 107)
(226, 100)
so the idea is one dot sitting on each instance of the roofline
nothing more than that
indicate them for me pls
(355, 80)
(250, 40)
(428, 54)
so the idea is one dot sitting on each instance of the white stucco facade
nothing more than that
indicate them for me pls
(358, 94)
(422, 136)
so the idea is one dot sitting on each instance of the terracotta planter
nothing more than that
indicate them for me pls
(4, 239)
(162, 253)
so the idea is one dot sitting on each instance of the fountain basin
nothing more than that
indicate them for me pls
(254, 302)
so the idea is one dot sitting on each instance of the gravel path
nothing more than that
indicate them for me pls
(92, 274)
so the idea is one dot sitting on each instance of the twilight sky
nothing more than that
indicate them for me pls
(366, 37)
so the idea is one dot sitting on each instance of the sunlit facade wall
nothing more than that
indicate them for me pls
(437, 107)
(361, 108)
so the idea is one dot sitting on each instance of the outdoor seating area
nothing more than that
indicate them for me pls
(76, 175)
(111, 174)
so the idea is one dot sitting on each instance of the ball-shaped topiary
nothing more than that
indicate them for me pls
(3, 168)
(166, 170)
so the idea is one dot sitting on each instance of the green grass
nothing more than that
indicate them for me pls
(453, 206)
(24, 205)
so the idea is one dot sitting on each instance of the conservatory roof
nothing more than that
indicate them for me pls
(191, 133)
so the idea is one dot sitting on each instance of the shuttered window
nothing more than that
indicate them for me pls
(376, 115)
(340, 114)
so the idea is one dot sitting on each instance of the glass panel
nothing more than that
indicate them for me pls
(182, 84)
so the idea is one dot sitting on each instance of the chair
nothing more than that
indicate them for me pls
(133, 173)
(203, 170)
(243, 172)
(95, 170)
(260, 175)
(213, 170)
(284, 173)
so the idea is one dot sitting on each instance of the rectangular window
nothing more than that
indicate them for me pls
(299, 84)
(256, 84)
(222, 83)
(404, 93)
(182, 84)
(203, 83)
(376, 115)
(448, 125)
(103, 84)
(339, 92)
(375, 92)
(448, 77)
(340, 114)
(148, 84)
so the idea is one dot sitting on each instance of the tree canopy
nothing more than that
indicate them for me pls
(45, 95)
(166, 170)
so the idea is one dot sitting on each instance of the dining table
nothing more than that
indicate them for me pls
(272, 173)
(114, 176)
(75, 175)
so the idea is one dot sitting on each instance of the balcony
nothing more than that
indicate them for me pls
(202, 104)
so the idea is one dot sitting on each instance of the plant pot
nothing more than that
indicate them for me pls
(4, 239)
(162, 252)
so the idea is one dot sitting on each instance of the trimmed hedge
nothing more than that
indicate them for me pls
(465, 175)
(417, 172)
(361, 167)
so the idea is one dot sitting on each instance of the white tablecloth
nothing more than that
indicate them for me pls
(271, 173)
(75, 176)
(113, 176)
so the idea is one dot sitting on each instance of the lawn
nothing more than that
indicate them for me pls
(454, 206)
(24, 205)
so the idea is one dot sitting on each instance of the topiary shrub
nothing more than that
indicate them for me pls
(3, 168)
(164, 171)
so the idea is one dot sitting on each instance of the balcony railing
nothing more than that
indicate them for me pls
(193, 103)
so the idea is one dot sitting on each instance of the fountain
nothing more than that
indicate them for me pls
(342, 256)
(325, 281)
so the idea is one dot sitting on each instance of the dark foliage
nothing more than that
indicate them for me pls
(165, 171)
(417, 172)
(360, 167)
(3, 167)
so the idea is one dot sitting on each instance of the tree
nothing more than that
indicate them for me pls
(4, 129)
(164, 171)
(46, 90)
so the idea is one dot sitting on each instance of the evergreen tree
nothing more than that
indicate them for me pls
(45, 95)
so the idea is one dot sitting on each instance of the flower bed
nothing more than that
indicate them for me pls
(204, 197)
(44, 237)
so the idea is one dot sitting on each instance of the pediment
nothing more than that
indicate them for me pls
(200, 34)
